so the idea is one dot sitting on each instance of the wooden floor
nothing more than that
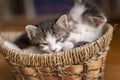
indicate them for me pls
(112, 70)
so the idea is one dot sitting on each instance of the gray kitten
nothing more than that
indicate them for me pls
(48, 38)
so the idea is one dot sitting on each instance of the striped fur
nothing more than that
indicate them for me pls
(48, 38)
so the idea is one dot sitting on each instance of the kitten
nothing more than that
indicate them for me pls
(85, 21)
(48, 38)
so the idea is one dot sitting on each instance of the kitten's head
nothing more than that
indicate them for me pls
(84, 13)
(48, 38)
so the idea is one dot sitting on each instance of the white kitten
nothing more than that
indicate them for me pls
(85, 21)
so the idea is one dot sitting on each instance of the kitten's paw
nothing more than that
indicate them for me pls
(68, 45)
(11, 45)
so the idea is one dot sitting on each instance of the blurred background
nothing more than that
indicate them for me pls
(11, 10)
(15, 14)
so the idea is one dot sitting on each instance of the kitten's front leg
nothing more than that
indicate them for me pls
(67, 46)
(11, 45)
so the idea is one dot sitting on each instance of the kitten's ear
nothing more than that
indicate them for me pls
(98, 21)
(31, 30)
(63, 21)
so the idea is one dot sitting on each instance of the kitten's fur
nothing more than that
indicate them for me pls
(48, 38)
(86, 21)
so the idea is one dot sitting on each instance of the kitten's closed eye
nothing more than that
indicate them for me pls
(44, 43)
(58, 40)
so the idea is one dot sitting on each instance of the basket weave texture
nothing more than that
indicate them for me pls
(82, 63)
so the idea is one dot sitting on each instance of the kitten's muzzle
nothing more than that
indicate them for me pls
(53, 50)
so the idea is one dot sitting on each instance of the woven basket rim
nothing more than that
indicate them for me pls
(74, 56)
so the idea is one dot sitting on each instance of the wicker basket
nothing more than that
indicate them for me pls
(82, 63)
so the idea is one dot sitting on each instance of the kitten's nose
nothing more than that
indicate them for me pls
(53, 50)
